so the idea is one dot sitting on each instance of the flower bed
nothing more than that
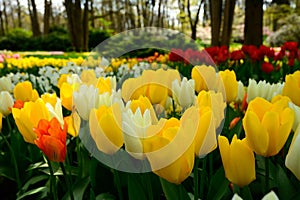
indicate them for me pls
(135, 129)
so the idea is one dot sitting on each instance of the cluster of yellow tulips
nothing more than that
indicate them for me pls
(162, 118)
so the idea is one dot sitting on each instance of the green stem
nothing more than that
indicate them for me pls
(236, 189)
(202, 180)
(118, 184)
(196, 179)
(52, 181)
(267, 174)
(13, 156)
(149, 186)
(67, 179)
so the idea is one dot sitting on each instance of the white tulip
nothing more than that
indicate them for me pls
(184, 94)
(134, 126)
(293, 157)
(263, 89)
(296, 109)
(241, 92)
(6, 84)
(6, 102)
(270, 196)
(85, 99)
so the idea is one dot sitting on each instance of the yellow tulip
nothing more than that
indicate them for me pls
(267, 125)
(230, 84)
(49, 98)
(169, 146)
(291, 87)
(152, 84)
(23, 91)
(107, 84)
(205, 77)
(28, 117)
(215, 101)
(62, 79)
(169, 159)
(73, 122)
(89, 77)
(206, 139)
(238, 161)
(66, 96)
(105, 127)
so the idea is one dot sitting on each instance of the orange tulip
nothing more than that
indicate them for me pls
(51, 139)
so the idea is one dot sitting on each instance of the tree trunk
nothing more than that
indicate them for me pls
(92, 13)
(12, 17)
(2, 31)
(5, 16)
(297, 7)
(216, 17)
(139, 15)
(85, 26)
(19, 14)
(193, 23)
(227, 23)
(47, 13)
(34, 20)
(253, 29)
(74, 17)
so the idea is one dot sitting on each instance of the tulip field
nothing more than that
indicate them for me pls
(215, 123)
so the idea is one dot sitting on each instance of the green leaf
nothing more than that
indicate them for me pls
(78, 189)
(286, 190)
(105, 196)
(8, 172)
(43, 190)
(33, 180)
(218, 185)
(135, 187)
(173, 191)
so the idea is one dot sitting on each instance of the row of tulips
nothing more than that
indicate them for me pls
(259, 63)
(152, 136)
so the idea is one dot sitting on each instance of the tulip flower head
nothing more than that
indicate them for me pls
(169, 146)
(28, 117)
(6, 103)
(230, 84)
(134, 126)
(205, 77)
(105, 128)
(6, 84)
(86, 99)
(267, 125)
(23, 91)
(293, 157)
(292, 87)
(51, 139)
(238, 161)
(184, 94)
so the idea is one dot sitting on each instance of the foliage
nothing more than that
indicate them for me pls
(288, 31)
(57, 40)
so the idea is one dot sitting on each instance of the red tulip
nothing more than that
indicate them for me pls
(267, 67)
(51, 139)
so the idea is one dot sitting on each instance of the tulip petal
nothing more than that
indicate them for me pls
(292, 161)
(257, 137)
(270, 123)
(244, 163)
